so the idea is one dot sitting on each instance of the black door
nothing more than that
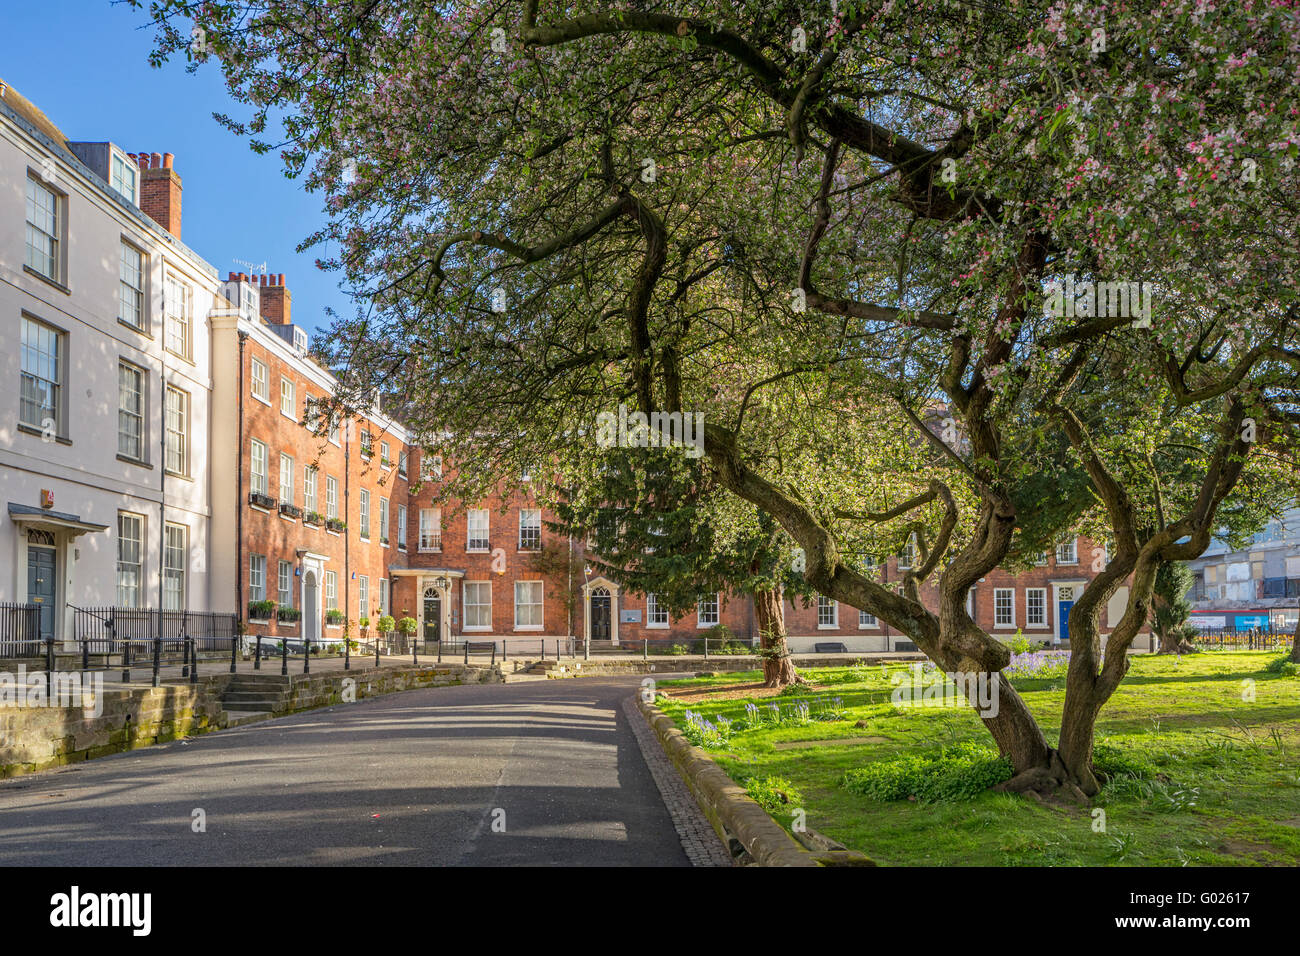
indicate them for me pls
(40, 585)
(432, 619)
(600, 608)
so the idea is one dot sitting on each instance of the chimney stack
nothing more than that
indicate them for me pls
(160, 191)
(276, 301)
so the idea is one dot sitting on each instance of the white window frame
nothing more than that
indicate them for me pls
(1072, 544)
(257, 467)
(331, 591)
(655, 616)
(310, 489)
(288, 399)
(1011, 607)
(130, 557)
(44, 246)
(178, 431)
(716, 601)
(287, 473)
(828, 613)
(259, 378)
(174, 318)
(907, 557)
(385, 455)
(176, 549)
(471, 544)
(867, 621)
(284, 583)
(140, 414)
(331, 497)
(45, 363)
(383, 521)
(1029, 607)
(538, 588)
(430, 531)
(363, 594)
(530, 519)
(476, 604)
(401, 527)
(363, 503)
(124, 177)
(257, 577)
(128, 290)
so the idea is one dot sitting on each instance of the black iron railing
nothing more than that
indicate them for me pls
(20, 630)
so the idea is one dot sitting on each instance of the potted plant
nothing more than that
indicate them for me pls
(286, 613)
(334, 617)
(313, 518)
(261, 610)
(385, 626)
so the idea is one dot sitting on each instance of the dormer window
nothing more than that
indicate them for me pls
(125, 177)
(300, 341)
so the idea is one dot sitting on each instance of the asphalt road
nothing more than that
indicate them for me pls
(545, 773)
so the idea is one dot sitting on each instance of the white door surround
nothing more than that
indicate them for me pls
(612, 588)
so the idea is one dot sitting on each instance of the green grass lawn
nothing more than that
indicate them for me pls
(1218, 784)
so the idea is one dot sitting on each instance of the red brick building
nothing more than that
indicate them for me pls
(312, 531)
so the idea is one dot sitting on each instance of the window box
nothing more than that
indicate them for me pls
(290, 511)
(335, 524)
(313, 518)
(383, 539)
(261, 500)
(288, 614)
(261, 610)
(333, 618)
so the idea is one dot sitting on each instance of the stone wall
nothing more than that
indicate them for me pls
(38, 738)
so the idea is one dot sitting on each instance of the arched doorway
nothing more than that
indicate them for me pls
(601, 608)
(432, 615)
(310, 607)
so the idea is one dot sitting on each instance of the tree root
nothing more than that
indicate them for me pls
(1050, 785)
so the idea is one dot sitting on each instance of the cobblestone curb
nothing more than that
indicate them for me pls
(740, 822)
(694, 829)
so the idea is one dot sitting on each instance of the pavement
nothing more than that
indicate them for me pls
(548, 774)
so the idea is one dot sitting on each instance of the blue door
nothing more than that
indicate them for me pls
(40, 585)
(1063, 613)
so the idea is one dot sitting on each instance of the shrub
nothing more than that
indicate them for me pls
(1020, 644)
(385, 624)
(959, 772)
(1282, 665)
(333, 617)
(1112, 762)
(773, 793)
(407, 625)
(678, 649)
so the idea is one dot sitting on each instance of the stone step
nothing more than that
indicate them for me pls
(232, 696)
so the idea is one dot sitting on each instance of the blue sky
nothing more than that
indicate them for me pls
(95, 83)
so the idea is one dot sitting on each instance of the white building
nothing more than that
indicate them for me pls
(105, 356)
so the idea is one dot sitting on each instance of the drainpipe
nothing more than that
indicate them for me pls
(347, 538)
(239, 490)
(570, 601)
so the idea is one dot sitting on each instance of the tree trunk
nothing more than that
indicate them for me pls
(778, 669)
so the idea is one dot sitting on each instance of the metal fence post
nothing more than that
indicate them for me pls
(376, 651)
(415, 651)
(284, 657)
(49, 668)
(347, 652)
(157, 652)
(467, 653)
(234, 642)
(194, 659)
(306, 657)
(257, 653)
(586, 649)
(706, 647)
(85, 653)
(645, 648)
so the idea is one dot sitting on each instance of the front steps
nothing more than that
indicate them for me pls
(256, 693)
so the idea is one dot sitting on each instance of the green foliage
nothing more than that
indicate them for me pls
(385, 624)
(1283, 665)
(774, 794)
(1170, 608)
(958, 772)
(1020, 644)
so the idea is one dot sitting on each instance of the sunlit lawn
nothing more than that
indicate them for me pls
(1226, 787)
